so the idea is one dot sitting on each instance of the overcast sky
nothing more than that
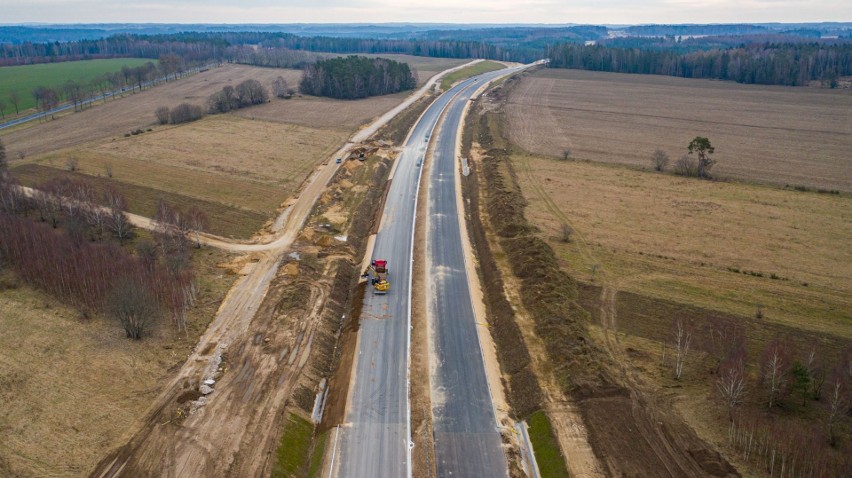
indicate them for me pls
(443, 11)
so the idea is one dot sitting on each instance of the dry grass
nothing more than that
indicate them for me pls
(192, 182)
(223, 160)
(116, 117)
(784, 135)
(326, 113)
(231, 146)
(71, 388)
(223, 220)
(674, 238)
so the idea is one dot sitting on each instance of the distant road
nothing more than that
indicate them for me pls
(375, 438)
(89, 101)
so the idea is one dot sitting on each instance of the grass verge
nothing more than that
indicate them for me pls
(551, 463)
(473, 70)
(294, 451)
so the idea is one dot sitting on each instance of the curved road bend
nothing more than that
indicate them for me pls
(374, 440)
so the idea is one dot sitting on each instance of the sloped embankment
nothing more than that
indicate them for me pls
(632, 432)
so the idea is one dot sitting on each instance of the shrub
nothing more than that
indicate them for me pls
(185, 113)
(162, 114)
(686, 166)
(660, 160)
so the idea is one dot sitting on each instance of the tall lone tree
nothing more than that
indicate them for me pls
(702, 147)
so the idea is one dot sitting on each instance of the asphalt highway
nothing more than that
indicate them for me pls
(467, 439)
(375, 438)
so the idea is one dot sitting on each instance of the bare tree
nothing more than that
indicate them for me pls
(12, 198)
(251, 92)
(660, 160)
(197, 221)
(4, 164)
(108, 169)
(2, 110)
(72, 164)
(116, 220)
(686, 166)
(162, 114)
(566, 154)
(817, 373)
(280, 87)
(681, 342)
(836, 403)
(15, 99)
(184, 113)
(74, 93)
(732, 383)
(775, 366)
(131, 303)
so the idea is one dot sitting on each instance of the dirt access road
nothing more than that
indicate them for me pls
(229, 431)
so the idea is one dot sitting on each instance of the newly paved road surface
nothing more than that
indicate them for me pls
(374, 440)
(467, 440)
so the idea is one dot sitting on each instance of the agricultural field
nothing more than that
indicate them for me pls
(22, 79)
(473, 70)
(116, 117)
(649, 248)
(723, 246)
(71, 387)
(782, 135)
(202, 163)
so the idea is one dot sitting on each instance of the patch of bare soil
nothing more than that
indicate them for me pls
(240, 400)
(423, 454)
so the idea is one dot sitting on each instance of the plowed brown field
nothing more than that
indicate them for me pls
(783, 135)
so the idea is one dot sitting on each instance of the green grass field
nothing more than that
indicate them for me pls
(23, 79)
(473, 70)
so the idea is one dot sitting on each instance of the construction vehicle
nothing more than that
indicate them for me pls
(380, 276)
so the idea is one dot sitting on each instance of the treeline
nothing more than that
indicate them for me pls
(356, 77)
(433, 48)
(202, 47)
(191, 51)
(81, 95)
(66, 240)
(769, 64)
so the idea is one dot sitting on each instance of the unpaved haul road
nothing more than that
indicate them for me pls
(375, 438)
(232, 433)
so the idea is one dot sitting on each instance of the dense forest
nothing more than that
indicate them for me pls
(767, 63)
(356, 77)
(231, 46)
